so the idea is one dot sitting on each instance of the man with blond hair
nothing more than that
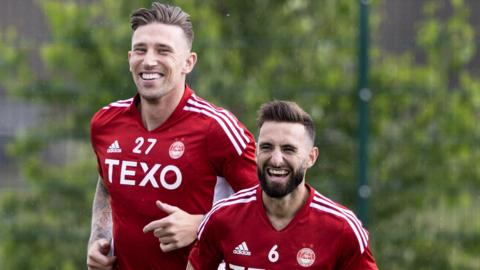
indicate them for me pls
(165, 146)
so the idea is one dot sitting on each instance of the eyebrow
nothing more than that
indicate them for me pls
(158, 45)
(164, 46)
(282, 145)
(289, 146)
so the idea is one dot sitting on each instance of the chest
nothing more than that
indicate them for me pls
(133, 148)
(258, 246)
(138, 165)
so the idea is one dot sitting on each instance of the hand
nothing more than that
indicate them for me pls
(97, 257)
(176, 230)
(190, 266)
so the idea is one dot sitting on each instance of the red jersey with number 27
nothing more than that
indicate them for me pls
(199, 154)
(323, 235)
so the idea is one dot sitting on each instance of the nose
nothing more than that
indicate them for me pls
(277, 158)
(150, 59)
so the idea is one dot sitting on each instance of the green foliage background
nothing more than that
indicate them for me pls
(424, 132)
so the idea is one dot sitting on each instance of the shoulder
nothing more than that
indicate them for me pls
(222, 124)
(341, 217)
(221, 116)
(110, 111)
(225, 209)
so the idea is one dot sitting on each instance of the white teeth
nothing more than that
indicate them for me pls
(150, 76)
(277, 172)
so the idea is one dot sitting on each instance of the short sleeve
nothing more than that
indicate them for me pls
(354, 257)
(231, 150)
(93, 138)
(206, 253)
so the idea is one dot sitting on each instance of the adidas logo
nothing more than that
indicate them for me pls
(242, 249)
(114, 148)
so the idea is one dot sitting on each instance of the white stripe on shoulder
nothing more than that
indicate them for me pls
(353, 222)
(128, 100)
(227, 113)
(240, 193)
(244, 196)
(327, 202)
(224, 117)
(221, 123)
(339, 214)
(119, 103)
(227, 116)
(349, 214)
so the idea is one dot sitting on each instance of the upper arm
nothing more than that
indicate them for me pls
(206, 253)
(233, 156)
(353, 258)
(364, 261)
(241, 171)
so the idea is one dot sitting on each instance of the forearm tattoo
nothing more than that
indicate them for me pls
(101, 214)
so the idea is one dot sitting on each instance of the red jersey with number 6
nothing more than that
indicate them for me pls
(199, 154)
(323, 235)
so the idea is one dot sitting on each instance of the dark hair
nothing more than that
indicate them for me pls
(285, 111)
(163, 13)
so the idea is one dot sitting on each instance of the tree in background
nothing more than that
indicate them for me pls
(425, 148)
(425, 183)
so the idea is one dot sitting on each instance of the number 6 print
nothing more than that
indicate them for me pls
(273, 255)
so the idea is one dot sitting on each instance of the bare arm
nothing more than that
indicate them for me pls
(101, 232)
(101, 214)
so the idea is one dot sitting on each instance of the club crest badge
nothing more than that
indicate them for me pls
(305, 257)
(176, 150)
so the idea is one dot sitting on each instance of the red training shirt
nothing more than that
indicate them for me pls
(195, 157)
(323, 235)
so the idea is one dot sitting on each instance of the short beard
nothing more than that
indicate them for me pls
(279, 191)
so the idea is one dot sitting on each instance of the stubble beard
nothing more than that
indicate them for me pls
(276, 190)
(163, 88)
(154, 94)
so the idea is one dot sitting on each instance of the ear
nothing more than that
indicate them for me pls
(189, 63)
(312, 156)
(129, 55)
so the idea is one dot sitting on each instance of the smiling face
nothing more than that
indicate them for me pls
(284, 153)
(159, 60)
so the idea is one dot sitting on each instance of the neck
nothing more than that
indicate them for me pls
(155, 112)
(280, 211)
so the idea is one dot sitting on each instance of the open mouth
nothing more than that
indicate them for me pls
(148, 76)
(277, 172)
